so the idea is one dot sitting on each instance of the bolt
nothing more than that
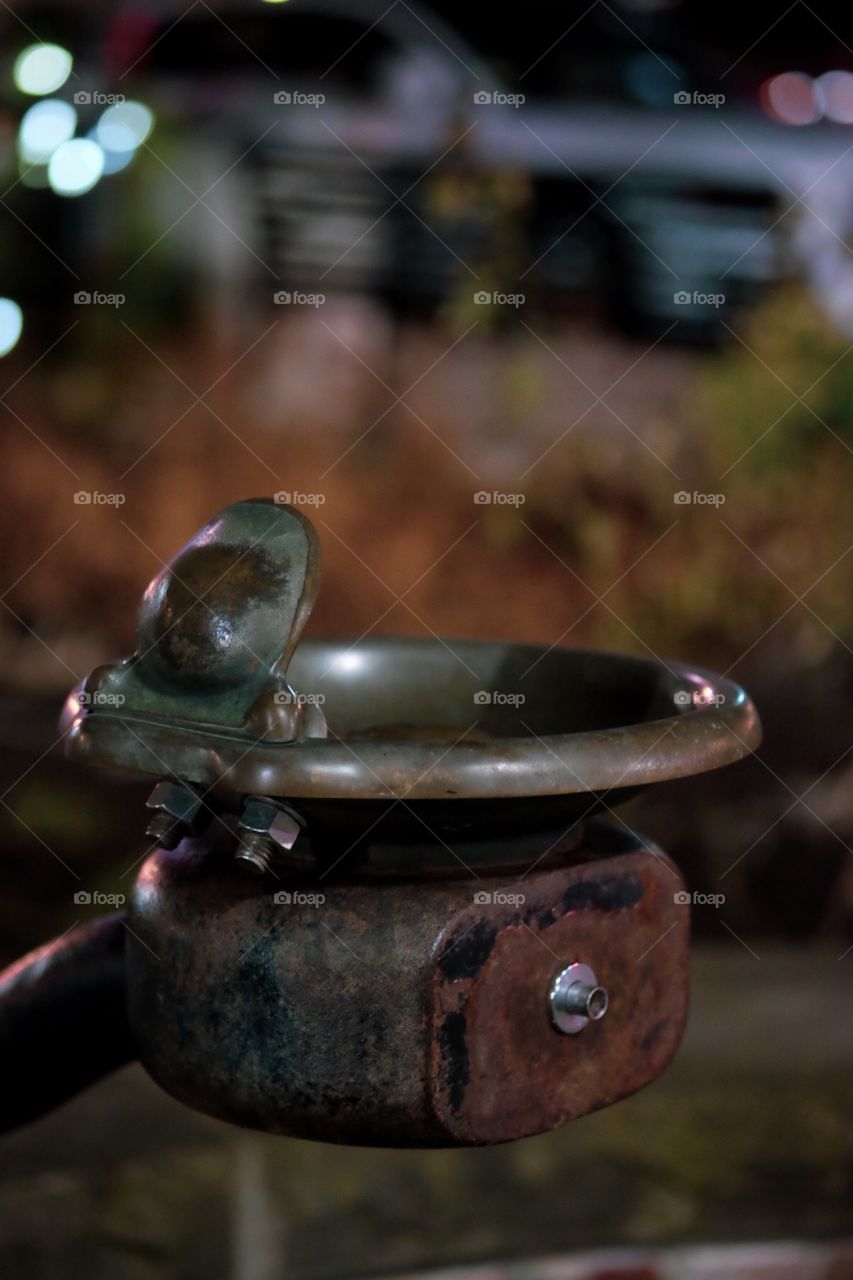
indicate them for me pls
(586, 1001)
(176, 809)
(576, 999)
(167, 831)
(267, 829)
(258, 850)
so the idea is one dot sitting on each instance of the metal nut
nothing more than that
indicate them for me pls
(176, 809)
(576, 999)
(267, 828)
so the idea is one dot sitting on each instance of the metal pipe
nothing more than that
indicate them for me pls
(62, 1019)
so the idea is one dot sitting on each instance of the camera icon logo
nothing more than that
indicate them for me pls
(482, 298)
(82, 297)
(681, 899)
(482, 898)
(681, 99)
(82, 498)
(282, 298)
(681, 297)
(83, 898)
(482, 97)
(82, 97)
(681, 498)
(282, 98)
(282, 898)
(482, 698)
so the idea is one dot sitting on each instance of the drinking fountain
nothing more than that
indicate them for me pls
(389, 900)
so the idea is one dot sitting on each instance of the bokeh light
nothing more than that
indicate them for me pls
(11, 324)
(124, 126)
(114, 161)
(790, 98)
(75, 167)
(835, 96)
(44, 127)
(42, 68)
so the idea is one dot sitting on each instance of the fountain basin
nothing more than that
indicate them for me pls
(458, 736)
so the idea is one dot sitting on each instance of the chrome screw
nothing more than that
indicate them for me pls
(576, 999)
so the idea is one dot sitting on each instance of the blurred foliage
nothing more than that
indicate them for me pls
(789, 371)
(778, 457)
(599, 551)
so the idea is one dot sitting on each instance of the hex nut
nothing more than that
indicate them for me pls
(175, 809)
(267, 829)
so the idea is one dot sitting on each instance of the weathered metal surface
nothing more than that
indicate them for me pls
(215, 633)
(499, 1069)
(62, 1019)
(402, 1013)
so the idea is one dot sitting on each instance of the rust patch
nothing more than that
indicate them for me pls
(464, 957)
(499, 1069)
(453, 1049)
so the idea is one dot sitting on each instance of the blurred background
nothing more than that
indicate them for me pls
(546, 318)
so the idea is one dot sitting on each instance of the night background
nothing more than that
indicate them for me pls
(546, 314)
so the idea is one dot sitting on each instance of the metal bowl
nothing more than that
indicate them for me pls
(470, 738)
(423, 719)
(456, 737)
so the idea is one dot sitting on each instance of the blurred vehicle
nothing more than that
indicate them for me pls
(341, 152)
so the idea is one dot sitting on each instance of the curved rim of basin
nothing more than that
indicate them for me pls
(713, 723)
(683, 721)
